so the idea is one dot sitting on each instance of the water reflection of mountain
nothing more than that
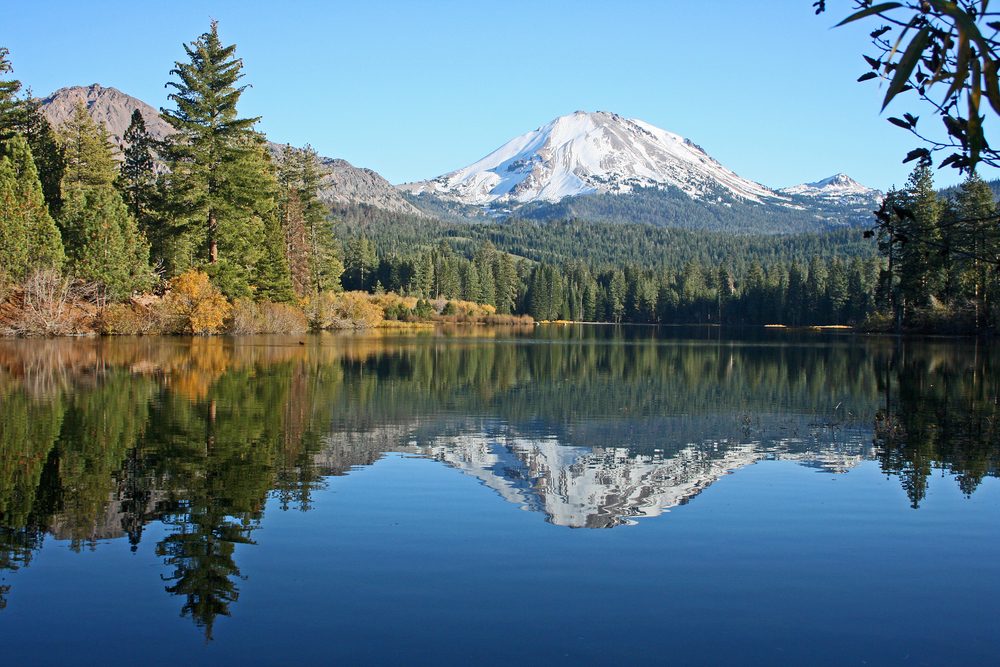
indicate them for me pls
(593, 486)
(99, 438)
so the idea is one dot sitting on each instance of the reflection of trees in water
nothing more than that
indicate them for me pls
(100, 437)
(940, 410)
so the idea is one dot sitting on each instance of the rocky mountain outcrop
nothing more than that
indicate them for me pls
(108, 106)
(342, 185)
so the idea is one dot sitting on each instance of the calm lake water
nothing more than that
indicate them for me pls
(559, 495)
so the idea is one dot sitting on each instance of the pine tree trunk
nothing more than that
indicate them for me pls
(213, 245)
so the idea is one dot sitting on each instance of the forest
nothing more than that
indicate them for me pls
(209, 231)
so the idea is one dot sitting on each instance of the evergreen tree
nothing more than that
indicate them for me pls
(219, 184)
(86, 147)
(325, 255)
(616, 296)
(506, 285)
(296, 238)
(102, 239)
(483, 263)
(47, 154)
(12, 109)
(314, 255)
(920, 257)
(29, 238)
(447, 281)
(137, 175)
(837, 292)
(360, 262)
(273, 279)
(975, 237)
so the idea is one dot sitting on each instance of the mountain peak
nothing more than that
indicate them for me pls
(590, 152)
(839, 185)
(106, 105)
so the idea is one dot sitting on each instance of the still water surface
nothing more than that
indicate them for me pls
(559, 495)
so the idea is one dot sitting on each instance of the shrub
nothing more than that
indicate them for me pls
(266, 318)
(424, 310)
(130, 319)
(49, 304)
(345, 310)
(194, 305)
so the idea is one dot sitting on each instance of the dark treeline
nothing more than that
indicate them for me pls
(833, 291)
(600, 244)
(942, 253)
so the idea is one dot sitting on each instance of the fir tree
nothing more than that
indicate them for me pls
(219, 186)
(102, 239)
(920, 264)
(137, 175)
(87, 152)
(975, 236)
(29, 238)
(273, 278)
(314, 255)
(616, 296)
(506, 285)
(360, 262)
(47, 154)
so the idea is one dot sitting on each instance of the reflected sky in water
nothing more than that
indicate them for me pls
(436, 497)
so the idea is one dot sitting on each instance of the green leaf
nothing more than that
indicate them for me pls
(906, 64)
(874, 9)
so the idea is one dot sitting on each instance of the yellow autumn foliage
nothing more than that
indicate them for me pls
(195, 305)
(345, 310)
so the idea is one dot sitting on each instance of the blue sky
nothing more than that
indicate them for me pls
(415, 89)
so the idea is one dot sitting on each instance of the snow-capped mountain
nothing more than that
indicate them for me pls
(836, 188)
(586, 153)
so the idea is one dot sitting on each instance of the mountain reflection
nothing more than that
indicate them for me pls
(592, 428)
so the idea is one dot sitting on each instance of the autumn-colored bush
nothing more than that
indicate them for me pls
(193, 305)
(345, 310)
(266, 318)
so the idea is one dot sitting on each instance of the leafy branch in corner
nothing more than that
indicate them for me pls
(946, 52)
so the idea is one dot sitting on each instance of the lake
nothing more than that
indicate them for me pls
(548, 495)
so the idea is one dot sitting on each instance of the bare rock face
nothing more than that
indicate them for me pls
(108, 106)
(343, 185)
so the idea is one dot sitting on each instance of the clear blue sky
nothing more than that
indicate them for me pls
(416, 89)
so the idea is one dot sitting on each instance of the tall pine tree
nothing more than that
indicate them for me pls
(219, 186)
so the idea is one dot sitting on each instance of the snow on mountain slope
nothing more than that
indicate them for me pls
(836, 187)
(583, 153)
